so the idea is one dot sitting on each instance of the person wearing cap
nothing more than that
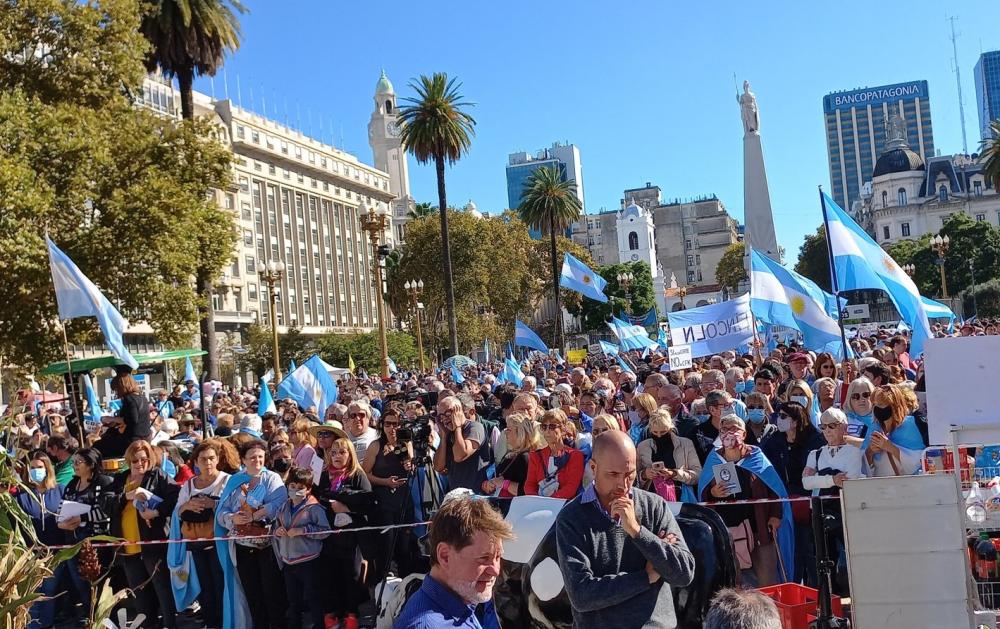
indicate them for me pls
(163, 405)
(798, 365)
(754, 527)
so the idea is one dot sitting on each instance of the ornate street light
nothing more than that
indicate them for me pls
(625, 280)
(375, 221)
(415, 289)
(909, 269)
(940, 246)
(273, 271)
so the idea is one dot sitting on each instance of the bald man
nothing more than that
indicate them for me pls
(619, 547)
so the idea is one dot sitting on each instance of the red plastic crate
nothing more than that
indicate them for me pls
(797, 604)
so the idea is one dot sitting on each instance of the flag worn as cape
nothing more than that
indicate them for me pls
(183, 576)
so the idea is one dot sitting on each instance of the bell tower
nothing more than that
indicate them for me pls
(387, 149)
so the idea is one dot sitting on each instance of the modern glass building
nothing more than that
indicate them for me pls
(856, 123)
(987, 73)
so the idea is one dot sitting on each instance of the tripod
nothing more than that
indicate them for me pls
(824, 568)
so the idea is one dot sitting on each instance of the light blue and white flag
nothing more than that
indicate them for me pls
(268, 375)
(526, 337)
(511, 372)
(937, 310)
(609, 348)
(309, 385)
(631, 337)
(623, 364)
(779, 296)
(486, 350)
(292, 366)
(265, 403)
(93, 403)
(77, 296)
(714, 328)
(457, 376)
(189, 375)
(661, 338)
(392, 365)
(578, 277)
(860, 263)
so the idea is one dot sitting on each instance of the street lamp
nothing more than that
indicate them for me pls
(909, 269)
(975, 305)
(415, 289)
(625, 280)
(940, 246)
(963, 161)
(271, 276)
(682, 293)
(375, 221)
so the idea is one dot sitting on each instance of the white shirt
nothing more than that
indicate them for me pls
(846, 458)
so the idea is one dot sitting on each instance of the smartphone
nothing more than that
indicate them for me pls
(659, 466)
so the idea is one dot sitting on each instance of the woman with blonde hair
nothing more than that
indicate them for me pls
(643, 406)
(523, 438)
(555, 471)
(893, 445)
(303, 443)
(668, 463)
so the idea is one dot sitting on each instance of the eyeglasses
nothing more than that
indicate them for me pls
(390, 424)
(139, 461)
(858, 396)
(550, 426)
(829, 426)
(357, 415)
(598, 431)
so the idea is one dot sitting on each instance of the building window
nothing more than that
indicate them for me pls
(690, 260)
(885, 232)
(687, 245)
(885, 198)
(240, 131)
(229, 201)
(901, 196)
(943, 194)
(977, 187)
(905, 230)
(244, 184)
(980, 217)
(251, 264)
(633, 241)
(252, 291)
(248, 237)
(255, 136)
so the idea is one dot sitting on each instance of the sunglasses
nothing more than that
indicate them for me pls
(598, 431)
(324, 434)
(550, 426)
(860, 396)
(357, 415)
(390, 424)
(829, 426)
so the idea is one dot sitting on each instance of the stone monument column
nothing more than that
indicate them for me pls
(756, 196)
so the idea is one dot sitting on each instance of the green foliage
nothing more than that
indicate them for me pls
(639, 299)
(989, 155)
(421, 210)
(498, 267)
(731, 269)
(987, 299)
(259, 346)
(123, 192)
(366, 349)
(814, 259)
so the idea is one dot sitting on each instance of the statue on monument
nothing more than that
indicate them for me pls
(748, 108)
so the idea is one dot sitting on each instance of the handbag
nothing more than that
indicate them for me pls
(197, 524)
(252, 528)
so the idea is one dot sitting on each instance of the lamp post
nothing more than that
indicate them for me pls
(909, 269)
(940, 246)
(271, 276)
(975, 305)
(415, 289)
(375, 221)
(963, 161)
(682, 293)
(625, 280)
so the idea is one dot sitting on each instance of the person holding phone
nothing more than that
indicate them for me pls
(668, 464)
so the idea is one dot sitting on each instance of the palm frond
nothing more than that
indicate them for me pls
(433, 123)
(191, 34)
(548, 199)
(990, 155)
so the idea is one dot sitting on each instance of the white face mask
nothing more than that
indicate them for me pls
(801, 399)
(784, 425)
(298, 495)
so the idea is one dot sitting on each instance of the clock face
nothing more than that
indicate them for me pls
(635, 256)
(392, 129)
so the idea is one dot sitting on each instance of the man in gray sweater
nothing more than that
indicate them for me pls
(620, 548)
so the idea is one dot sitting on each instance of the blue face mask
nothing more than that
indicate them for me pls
(740, 387)
(748, 386)
(756, 415)
(36, 474)
(702, 417)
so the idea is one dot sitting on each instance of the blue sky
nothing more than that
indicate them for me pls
(644, 88)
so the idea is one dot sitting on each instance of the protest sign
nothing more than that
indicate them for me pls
(713, 329)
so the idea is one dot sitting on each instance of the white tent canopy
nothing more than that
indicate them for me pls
(335, 372)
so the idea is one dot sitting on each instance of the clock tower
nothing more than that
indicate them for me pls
(383, 137)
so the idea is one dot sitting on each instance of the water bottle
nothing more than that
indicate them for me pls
(975, 505)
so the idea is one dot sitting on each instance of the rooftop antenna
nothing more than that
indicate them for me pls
(239, 94)
(225, 82)
(211, 81)
(958, 79)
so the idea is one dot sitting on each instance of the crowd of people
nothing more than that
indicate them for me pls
(267, 505)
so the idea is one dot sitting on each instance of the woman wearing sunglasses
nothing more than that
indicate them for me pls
(858, 407)
(523, 438)
(668, 464)
(555, 471)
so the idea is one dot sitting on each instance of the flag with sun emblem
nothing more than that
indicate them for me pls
(860, 263)
(577, 276)
(782, 297)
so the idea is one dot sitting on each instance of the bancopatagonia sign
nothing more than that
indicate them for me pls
(875, 95)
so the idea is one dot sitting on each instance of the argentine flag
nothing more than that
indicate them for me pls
(511, 373)
(578, 277)
(782, 297)
(860, 263)
(189, 375)
(526, 337)
(609, 348)
(265, 404)
(77, 296)
(457, 376)
(93, 403)
(937, 310)
(309, 385)
(631, 336)
(392, 365)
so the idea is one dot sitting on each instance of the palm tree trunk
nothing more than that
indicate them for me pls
(449, 286)
(206, 323)
(185, 80)
(557, 338)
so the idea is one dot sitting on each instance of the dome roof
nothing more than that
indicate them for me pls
(471, 208)
(384, 86)
(898, 160)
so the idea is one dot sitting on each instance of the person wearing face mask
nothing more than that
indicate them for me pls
(753, 528)
(281, 459)
(643, 405)
(41, 504)
(800, 392)
(298, 528)
(858, 408)
(894, 444)
(736, 384)
(787, 451)
(668, 464)
(759, 415)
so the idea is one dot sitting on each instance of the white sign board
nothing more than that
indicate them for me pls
(857, 311)
(961, 388)
(680, 357)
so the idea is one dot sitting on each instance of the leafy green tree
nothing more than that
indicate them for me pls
(986, 302)
(366, 350)
(731, 269)
(989, 155)
(421, 210)
(550, 205)
(259, 346)
(497, 278)
(814, 259)
(436, 128)
(188, 38)
(637, 301)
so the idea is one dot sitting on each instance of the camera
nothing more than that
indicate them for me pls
(416, 432)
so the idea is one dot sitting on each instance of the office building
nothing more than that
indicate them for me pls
(565, 157)
(297, 201)
(856, 132)
(987, 75)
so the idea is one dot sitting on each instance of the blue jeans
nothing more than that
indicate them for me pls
(43, 612)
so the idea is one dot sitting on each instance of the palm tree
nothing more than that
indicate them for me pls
(990, 155)
(421, 210)
(550, 204)
(190, 37)
(435, 127)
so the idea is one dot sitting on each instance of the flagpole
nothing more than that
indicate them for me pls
(757, 345)
(833, 273)
(72, 388)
